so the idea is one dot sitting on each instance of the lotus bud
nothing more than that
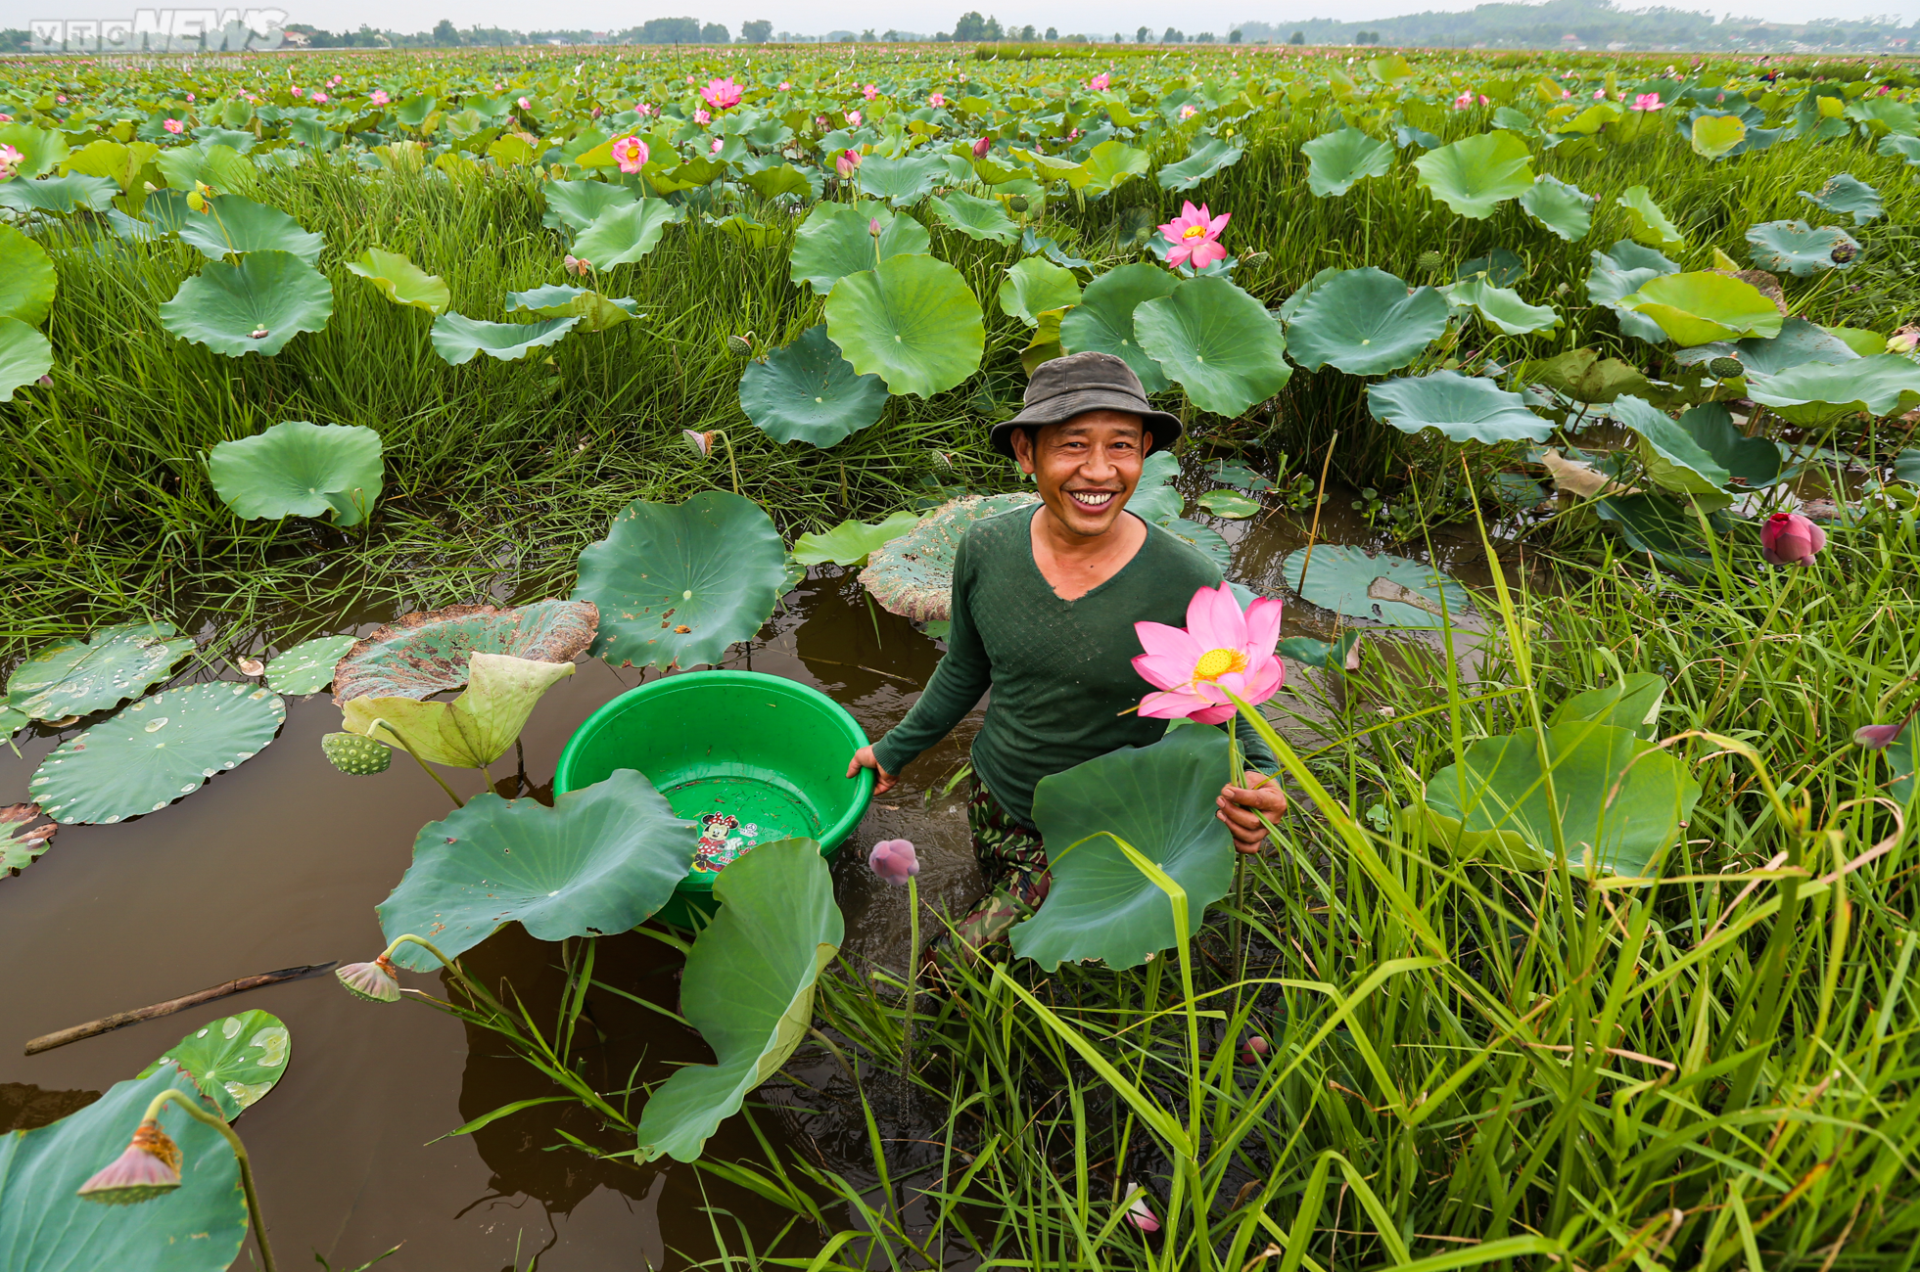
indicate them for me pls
(702, 442)
(377, 982)
(1904, 340)
(355, 754)
(258, 333)
(1256, 1050)
(873, 226)
(982, 147)
(894, 860)
(1877, 737)
(846, 163)
(149, 1168)
(740, 346)
(1791, 539)
(1254, 258)
(1138, 1213)
(45, 381)
(1725, 368)
(1431, 260)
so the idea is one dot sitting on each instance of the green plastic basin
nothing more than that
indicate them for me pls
(768, 751)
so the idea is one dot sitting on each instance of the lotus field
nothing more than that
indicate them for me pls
(372, 420)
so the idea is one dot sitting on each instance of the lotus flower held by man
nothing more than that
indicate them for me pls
(1220, 651)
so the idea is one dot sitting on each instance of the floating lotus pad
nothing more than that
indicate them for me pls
(425, 653)
(913, 575)
(1208, 540)
(254, 305)
(23, 837)
(156, 751)
(807, 392)
(301, 469)
(1230, 504)
(235, 1060)
(77, 677)
(1216, 342)
(601, 860)
(1339, 578)
(308, 666)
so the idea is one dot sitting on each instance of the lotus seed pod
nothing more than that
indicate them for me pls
(740, 346)
(1725, 368)
(148, 1168)
(1431, 260)
(376, 981)
(1018, 203)
(352, 753)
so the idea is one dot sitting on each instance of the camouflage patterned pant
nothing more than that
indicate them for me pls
(1014, 863)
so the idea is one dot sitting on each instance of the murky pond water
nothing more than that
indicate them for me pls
(280, 863)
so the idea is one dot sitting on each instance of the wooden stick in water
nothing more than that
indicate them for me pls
(107, 1024)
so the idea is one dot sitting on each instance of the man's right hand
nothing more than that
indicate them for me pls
(883, 780)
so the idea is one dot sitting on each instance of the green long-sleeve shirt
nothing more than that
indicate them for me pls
(1061, 671)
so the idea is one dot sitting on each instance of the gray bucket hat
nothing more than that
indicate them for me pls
(1079, 382)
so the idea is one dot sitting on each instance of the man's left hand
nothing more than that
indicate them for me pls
(1242, 806)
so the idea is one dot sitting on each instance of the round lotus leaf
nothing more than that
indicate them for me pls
(1464, 408)
(403, 282)
(1340, 578)
(235, 1060)
(1111, 164)
(254, 305)
(1208, 540)
(1230, 504)
(836, 239)
(23, 837)
(1704, 306)
(459, 339)
(1717, 136)
(233, 225)
(355, 754)
(1817, 393)
(1476, 174)
(300, 469)
(41, 149)
(748, 988)
(1216, 342)
(197, 1227)
(1562, 208)
(1800, 249)
(913, 575)
(676, 584)
(912, 322)
(1033, 286)
(902, 182)
(79, 677)
(25, 356)
(59, 195)
(27, 280)
(807, 392)
(427, 652)
(574, 205)
(626, 232)
(1103, 320)
(1338, 160)
(156, 751)
(600, 861)
(1160, 800)
(308, 666)
(1845, 193)
(1365, 322)
(1206, 159)
(977, 218)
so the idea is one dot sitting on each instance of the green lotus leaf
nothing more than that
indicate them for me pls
(155, 751)
(602, 860)
(782, 178)
(574, 205)
(626, 232)
(1560, 207)
(1338, 578)
(403, 282)
(1799, 342)
(1631, 703)
(1864, 343)
(254, 305)
(1498, 268)
(1463, 408)
(1717, 136)
(41, 149)
(1031, 243)
(1844, 194)
(57, 194)
(912, 322)
(458, 339)
(1814, 393)
(1203, 161)
(748, 988)
(913, 575)
(1103, 320)
(1800, 249)
(1665, 529)
(1906, 466)
(677, 584)
(1616, 801)
(1327, 655)
(1337, 161)
(1674, 460)
(232, 225)
(474, 729)
(27, 279)
(23, 836)
(556, 300)
(1750, 463)
(1903, 754)
(1897, 147)
(1501, 308)
(1034, 285)
(425, 653)
(25, 356)
(1156, 499)
(235, 1060)
(1646, 222)
(851, 542)
(1365, 322)
(1621, 271)
(1240, 476)
(981, 219)
(1111, 164)
(1215, 341)
(1584, 376)
(836, 240)
(75, 677)
(1230, 504)
(221, 167)
(1702, 306)
(1210, 542)
(1160, 800)
(807, 392)
(1476, 174)
(197, 1227)
(902, 182)
(299, 469)
(308, 666)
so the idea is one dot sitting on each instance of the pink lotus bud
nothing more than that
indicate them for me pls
(846, 163)
(45, 381)
(1904, 340)
(982, 148)
(1877, 737)
(574, 265)
(377, 982)
(148, 1168)
(1790, 539)
(1255, 1050)
(873, 226)
(894, 861)
(1138, 1213)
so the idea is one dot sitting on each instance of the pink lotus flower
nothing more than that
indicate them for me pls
(723, 94)
(1221, 650)
(174, 126)
(1139, 1214)
(1100, 82)
(1195, 235)
(1599, 94)
(700, 116)
(1463, 101)
(320, 98)
(1189, 111)
(894, 861)
(9, 161)
(380, 97)
(713, 148)
(524, 104)
(298, 91)
(870, 92)
(982, 148)
(643, 109)
(574, 265)
(62, 99)
(5, 118)
(936, 100)
(1565, 94)
(846, 163)
(1646, 101)
(630, 153)
(853, 118)
(189, 99)
(784, 86)
(821, 122)
(1790, 539)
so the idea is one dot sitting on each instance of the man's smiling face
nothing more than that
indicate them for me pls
(1086, 468)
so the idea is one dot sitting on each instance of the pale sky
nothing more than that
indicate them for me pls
(820, 16)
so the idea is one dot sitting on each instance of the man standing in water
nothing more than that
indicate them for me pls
(1044, 603)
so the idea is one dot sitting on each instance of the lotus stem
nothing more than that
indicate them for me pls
(913, 978)
(732, 463)
(473, 991)
(408, 748)
(174, 1095)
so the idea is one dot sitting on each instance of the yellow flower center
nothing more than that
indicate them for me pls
(1216, 663)
(1196, 231)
